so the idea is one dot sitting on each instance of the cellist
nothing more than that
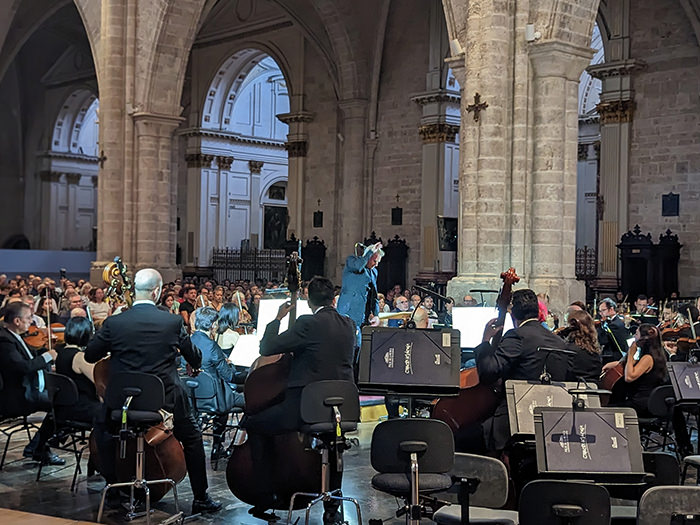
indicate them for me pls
(146, 339)
(516, 356)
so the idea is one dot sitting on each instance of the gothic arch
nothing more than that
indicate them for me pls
(90, 13)
(565, 21)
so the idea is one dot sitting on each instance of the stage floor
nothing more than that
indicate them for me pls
(51, 496)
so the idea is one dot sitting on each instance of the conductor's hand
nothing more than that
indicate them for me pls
(491, 329)
(284, 309)
(376, 247)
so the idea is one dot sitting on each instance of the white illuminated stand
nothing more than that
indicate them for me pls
(247, 347)
(471, 321)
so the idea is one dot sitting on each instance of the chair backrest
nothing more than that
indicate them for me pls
(318, 399)
(663, 466)
(661, 401)
(549, 502)
(386, 451)
(206, 386)
(61, 389)
(659, 505)
(151, 395)
(492, 491)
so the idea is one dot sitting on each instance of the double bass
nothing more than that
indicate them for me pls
(164, 456)
(476, 401)
(294, 468)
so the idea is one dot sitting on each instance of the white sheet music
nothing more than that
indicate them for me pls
(471, 320)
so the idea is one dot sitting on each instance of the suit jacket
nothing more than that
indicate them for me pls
(215, 364)
(16, 368)
(517, 357)
(608, 340)
(145, 339)
(356, 282)
(323, 345)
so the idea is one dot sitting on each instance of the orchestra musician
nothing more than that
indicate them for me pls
(612, 334)
(581, 335)
(645, 374)
(322, 346)
(516, 357)
(146, 339)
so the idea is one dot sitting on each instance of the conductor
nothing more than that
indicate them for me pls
(146, 339)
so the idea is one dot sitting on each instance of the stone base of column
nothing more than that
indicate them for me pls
(96, 269)
(562, 292)
(169, 273)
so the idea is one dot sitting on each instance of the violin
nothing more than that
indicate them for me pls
(37, 337)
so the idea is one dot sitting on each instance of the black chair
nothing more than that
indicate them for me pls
(549, 502)
(10, 425)
(329, 409)
(412, 457)
(660, 405)
(68, 435)
(141, 397)
(480, 481)
(207, 405)
(669, 505)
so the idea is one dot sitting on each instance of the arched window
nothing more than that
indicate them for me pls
(76, 127)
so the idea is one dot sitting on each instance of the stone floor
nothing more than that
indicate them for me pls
(52, 496)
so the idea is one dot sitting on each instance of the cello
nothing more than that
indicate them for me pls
(294, 468)
(164, 456)
(476, 401)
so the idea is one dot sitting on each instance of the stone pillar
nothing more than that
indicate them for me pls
(296, 146)
(557, 67)
(197, 208)
(616, 110)
(255, 167)
(111, 186)
(350, 196)
(155, 208)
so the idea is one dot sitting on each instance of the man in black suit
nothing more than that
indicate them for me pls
(516, 357)
(612, 334)
(322, 345)
(23, 379)
(146, 339)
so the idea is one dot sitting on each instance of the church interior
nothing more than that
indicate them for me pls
(209, 139)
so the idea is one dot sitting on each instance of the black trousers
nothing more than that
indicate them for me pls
(186, 430)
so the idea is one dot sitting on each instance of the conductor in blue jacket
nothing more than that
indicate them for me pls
(358, 295)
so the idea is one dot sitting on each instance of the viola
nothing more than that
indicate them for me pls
(36, 338)
(476, 401)
(294, 467)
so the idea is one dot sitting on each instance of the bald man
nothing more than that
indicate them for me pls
(146, 339)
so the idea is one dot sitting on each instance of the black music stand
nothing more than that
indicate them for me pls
(597, 444)
(524, 396)
(411, 362)
(685, 378)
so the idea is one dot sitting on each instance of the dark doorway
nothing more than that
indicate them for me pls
(276, 220)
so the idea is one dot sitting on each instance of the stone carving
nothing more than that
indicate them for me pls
(616, 111)
(296, 148)
(432, 133)
(255, 166)
(199, 160)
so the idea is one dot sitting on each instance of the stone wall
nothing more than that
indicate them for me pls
(665, 152)
(399, 151)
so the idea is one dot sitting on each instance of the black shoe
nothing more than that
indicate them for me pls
(205, 505)
(48, 458)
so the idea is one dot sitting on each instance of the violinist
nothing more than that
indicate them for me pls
(516, 357)
(71, 362)
(23, 377)
(146, 339)
(612, 334)
(645, 374)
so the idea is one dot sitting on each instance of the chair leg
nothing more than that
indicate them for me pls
(685, 472)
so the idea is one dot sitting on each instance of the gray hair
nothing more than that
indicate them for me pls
(147, 280)
(205, 317)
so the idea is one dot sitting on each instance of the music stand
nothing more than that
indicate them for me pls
(685, 378)
(523, 396)
(597, 444)
(412, 362)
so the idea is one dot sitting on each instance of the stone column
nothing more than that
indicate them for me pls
(197, 208)
(255, 167)
(350, 196)
(557, 67)
(110, 189)
(616, 110)
(155, 208)
(296, 145)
